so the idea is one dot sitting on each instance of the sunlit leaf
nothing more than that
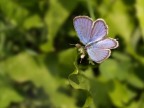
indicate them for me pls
(120, 94)
(89, 103)
(15, 13)
(33, 21)
(7, 93)
(112, 69)
(78, 80)
(135, 81)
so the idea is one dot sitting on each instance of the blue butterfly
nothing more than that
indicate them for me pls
(93, 34)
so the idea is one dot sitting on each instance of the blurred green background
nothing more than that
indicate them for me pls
(40, 69)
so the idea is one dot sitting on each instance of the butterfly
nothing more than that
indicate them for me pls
(93, 34)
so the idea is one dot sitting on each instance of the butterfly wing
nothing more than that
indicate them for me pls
(99, 31)
(108, 43)
(83, 27)
(98, 55)
(100, 50)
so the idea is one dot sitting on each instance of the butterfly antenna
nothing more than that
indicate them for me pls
(71, 44)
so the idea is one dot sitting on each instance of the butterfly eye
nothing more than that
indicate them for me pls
(78, 45)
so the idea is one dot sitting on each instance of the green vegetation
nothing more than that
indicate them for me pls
(40, 69)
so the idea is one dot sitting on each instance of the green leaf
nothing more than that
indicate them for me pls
(61, 64)
(99, 92)
(89, 103)
(66, 60)
(32, 21)
(14, 12)
(111, 69)
(107, 71)
(135, 38)
(120, 95)
(7, 96)
(97, 89)
(133, 104)
(135, 81)
(78, 80)
(7, 93)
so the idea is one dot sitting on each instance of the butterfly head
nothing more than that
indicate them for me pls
(78, 45)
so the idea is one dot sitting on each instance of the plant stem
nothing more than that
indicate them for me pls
(90, 9)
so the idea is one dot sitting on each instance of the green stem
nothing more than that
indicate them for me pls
(2, 40)
(90, 9)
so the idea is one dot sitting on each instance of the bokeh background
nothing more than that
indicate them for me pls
(40, 69)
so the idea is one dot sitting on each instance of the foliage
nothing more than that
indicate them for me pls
(40, 69)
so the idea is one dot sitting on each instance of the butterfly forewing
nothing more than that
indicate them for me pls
(83, 27)
(99, 31)
(98, 55)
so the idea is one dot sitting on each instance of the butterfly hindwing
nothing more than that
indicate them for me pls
(98, 55)
(83, 27)
(107, 43)
(100, 50)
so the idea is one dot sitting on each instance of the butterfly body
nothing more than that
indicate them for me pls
(93, 34)
(82, 50)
